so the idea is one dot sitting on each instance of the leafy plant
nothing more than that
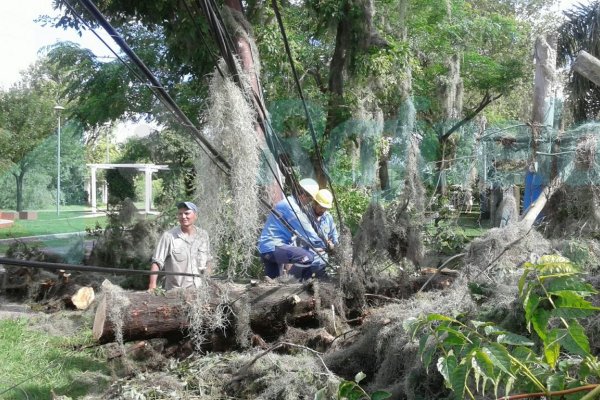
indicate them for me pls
(477, 355)
(352, 202)
(351, 390)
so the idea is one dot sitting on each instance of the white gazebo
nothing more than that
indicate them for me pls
(148, 169)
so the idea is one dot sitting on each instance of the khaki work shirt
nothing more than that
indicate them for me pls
(179, 252)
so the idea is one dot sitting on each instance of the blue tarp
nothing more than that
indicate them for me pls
(534, 184)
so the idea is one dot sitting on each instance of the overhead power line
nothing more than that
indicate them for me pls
(226, 45)
(163, 94)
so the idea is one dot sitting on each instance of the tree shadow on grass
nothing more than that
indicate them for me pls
(85, 377)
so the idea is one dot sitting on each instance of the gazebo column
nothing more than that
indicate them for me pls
(93, 189)
(148, 189)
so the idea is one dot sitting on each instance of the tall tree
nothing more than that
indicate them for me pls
(26, 120)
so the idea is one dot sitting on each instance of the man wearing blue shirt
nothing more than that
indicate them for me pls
(326, 226)
(276, 239)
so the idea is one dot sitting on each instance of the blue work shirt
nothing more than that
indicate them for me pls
(274, 233)
(327, 228)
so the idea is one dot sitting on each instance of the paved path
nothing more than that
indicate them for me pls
(44, 237)
(15, 310)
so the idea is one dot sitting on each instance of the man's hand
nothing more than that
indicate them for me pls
(330, 245)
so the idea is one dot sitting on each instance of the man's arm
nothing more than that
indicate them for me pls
(153, 278)
(333, 233)
(160, 254)
(301, 224)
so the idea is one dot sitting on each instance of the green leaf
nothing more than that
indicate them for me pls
(426, 351)
(412, 325)
(446, 366)
(559, 276)
(573, 284)
(346, 388)
(509, 385)
(454, 337)
(575, 340)
(499, 357)
(459, 380)
(479, 324)
(380, 395)
(523, 354)
(482, 364)
(514, 339)
(492, 329)
(552, 264)
(556, 382)
(552, 258)
(523, 278)
(531, 304)
(552, 348)
(571, 305)
(439, 317)
(539, 320)
(349, 390)
(359, 377)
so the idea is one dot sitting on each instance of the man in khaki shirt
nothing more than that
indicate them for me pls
(182, 249)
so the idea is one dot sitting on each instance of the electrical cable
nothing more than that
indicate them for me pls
(225, 44)
(164, 96)
(308, 118)
(170, 103)
(87, 268)
(205, 6)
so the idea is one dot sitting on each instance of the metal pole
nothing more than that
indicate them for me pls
(58, 170)
(58, 109)
(107, 145)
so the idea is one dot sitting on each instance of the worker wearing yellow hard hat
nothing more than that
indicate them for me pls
(323, 201)
(286, 223)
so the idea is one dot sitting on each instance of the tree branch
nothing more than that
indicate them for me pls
(487, 99)
(557, 393)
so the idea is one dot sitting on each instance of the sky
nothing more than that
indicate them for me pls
(21, 37)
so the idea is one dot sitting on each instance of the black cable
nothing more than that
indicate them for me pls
(169, 102)
(134, 72)
(225, 43)
(300, 92)
(173, 107)
(87, 268)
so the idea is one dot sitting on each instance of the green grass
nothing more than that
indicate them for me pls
(71, 219)
(41, 365)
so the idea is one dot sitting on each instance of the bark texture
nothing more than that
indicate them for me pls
(271, 309)
(588, 66)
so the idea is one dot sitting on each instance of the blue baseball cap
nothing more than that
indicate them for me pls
(189, 205)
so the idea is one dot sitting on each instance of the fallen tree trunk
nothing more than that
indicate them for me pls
(269, 309)
(588, 66)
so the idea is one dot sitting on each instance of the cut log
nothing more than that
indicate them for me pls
(588, 66)
(82, 298)
(148, 315)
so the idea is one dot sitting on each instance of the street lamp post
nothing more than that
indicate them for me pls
(58, 110)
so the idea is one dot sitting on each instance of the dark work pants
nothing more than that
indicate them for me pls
(284, 255)
(316, 269)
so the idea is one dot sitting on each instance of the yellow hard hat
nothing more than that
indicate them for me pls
(324, 198)
(310, 186)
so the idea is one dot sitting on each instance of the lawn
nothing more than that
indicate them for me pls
(37, 364)
(71, 219)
